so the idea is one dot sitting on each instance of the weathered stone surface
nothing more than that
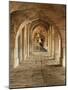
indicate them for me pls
(32, 77)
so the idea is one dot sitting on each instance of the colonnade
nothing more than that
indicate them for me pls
(23, 44)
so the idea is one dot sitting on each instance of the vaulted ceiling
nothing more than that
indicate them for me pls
(56, 13)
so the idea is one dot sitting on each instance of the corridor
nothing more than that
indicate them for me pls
(37, 45)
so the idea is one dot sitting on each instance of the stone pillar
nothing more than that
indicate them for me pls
(57, 47)
(28, 40)
(20, 47)
(18, 50)
(16, 59)
(63, 60)
(25, 42)
(52, 42)
(49, 41)
(59, 51)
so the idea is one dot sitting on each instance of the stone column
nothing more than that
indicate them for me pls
(59, 51)
(20, 46)
(28, 40)
(52, 42)
(18, 50)
(57, 47)
(49, 41)
(63, 60)
(25, 42)
(16, 59)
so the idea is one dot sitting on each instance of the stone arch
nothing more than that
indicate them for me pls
(32, 25)
(16, 58)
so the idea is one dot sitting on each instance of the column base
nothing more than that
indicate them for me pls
(16, 64)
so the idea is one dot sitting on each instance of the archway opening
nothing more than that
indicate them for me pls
(39, 39)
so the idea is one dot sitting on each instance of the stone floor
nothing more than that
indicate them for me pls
(29, 75)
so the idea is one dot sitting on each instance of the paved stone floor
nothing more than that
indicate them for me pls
(28, 75)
